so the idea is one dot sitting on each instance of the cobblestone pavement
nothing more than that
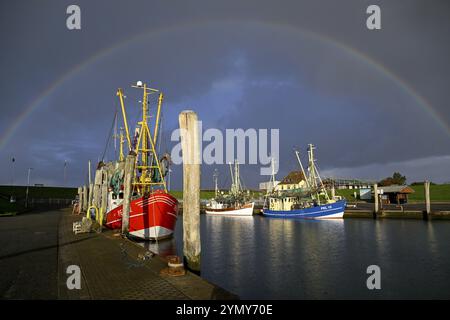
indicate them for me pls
(29, 256)
(111, 268)
(37, 249)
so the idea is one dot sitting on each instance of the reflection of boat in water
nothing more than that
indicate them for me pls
(163, 248)
(234, 203)
(310, 202)
(153, 211)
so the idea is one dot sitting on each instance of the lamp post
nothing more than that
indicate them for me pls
(13, 161)
(28, 185)
(65, 173)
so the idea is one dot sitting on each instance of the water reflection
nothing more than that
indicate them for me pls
(271, 258)
(164, 248)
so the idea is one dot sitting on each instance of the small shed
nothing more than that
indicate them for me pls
(395, 194)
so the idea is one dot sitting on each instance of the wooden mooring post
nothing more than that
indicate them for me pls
(190, 147)
(97, 188)
(80, 199)
(130, 162)
(85, 198)
(104, 201)
(91, 194)
(376, 198)
(427, 200)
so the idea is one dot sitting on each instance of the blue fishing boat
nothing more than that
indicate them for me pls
(305, 196)
(324, 211)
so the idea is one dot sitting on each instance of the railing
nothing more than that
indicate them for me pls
(49, 202)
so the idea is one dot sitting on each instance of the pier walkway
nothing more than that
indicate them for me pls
(37, 249)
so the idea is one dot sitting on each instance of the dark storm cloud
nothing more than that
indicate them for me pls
(238, 64)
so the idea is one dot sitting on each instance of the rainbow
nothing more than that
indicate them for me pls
(403, 85)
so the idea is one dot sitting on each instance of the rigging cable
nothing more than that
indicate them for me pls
(109, 135)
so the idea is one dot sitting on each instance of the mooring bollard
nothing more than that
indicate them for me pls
(427, 199)
(375, 194)
(190, 147)
(130, 162)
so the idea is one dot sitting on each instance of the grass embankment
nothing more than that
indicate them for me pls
(438, 193)
(19, 192)
(206, 194)
(347, 194)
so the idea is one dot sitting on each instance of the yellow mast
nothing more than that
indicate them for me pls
(122, 105)
(155, 135)
(145, 147)
(121, 155)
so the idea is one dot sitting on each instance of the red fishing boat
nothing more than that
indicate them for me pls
(151, 217)
(153, 211)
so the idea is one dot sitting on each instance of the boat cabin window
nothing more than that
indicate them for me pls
(114, 197)
(121, 195)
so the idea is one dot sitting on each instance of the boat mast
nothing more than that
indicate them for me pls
(115, 135)
(124, 115)
(303, 170)
(272, 178)
(232, 179)
(236, 176)
(145, 147)
(89, 172)
(158, 114)
(216, 188)
(121, 155)
(312, 172)
(314, 175)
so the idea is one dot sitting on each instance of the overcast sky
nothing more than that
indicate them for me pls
(373, 102)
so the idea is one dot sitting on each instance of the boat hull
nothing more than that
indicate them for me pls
(326, 211)
(152, 217)
(246, 210)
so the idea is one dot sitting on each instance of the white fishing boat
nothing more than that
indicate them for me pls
(235, 203)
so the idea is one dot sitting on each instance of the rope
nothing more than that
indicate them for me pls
(109, 135)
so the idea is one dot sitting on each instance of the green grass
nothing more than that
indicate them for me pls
(38, 192)
(438, 192)
(34, 192)
(204, 194)
(7, 207)
(347, 194)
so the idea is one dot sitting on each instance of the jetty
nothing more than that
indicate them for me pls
(41, 247)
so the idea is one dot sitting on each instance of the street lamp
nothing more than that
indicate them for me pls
(28, 185)
(65, 173)
(13, 161)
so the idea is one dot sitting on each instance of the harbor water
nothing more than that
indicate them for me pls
(270, 258)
